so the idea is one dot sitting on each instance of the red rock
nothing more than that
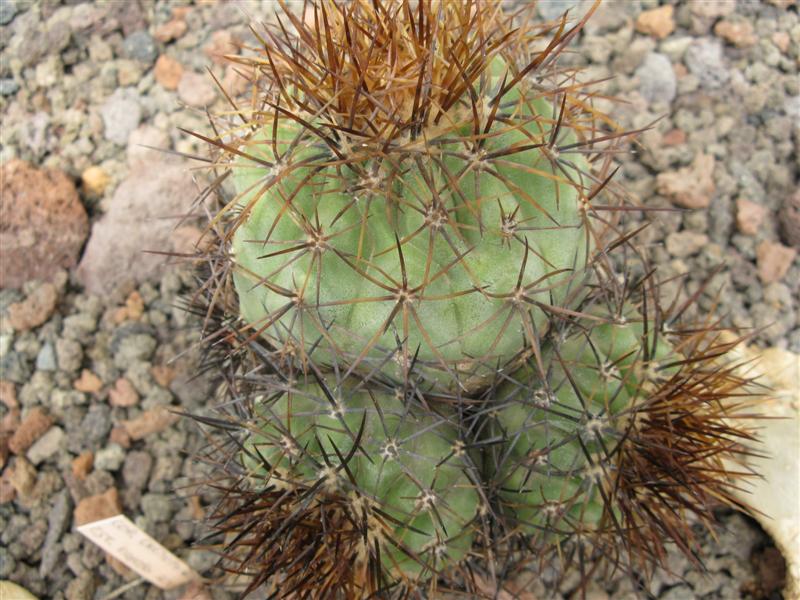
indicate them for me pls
(171, 30)
(123, 394)
(782, 41)
(790, 219)
(674, 137)
(774, 260)
(133, 309)
(692, 186)
(141, 216)
(168, 72)
(35, 309)
(33, 426)
(8, 394)
(150, 421)
(738, 33)
(43, 224)
(222, 42)
(197, 89)
(657, 22)
(82, 464)
(120, 436)
(749, 216)
(98, 507)
(88, 382)
(163, 375)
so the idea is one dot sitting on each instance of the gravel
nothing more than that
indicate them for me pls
(85, 87)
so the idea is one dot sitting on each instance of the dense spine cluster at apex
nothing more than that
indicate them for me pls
(433, 375)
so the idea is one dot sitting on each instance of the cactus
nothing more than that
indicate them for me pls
(430, 359)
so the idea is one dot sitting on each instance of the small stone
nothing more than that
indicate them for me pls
(781, 39)
(749, 216)
(550, 10)
(235, 82)
(685, 243)
(168, 72)
(738, 33)
(121, 114)
(195, 591)
(32, 427)
(8, 86)
(136, 469)
(790, 219)
(657, 22)
(96, 424)
(109, 458)
(88, 382)
(82, 587)
(123, 394)
(7, 11)
(69, 354)
(773, 260)
(712, 9)
(156, 507)
(133, 309)
(23, 477)
(97, 507)
(704, 58)
(222, 42)
(132, 348)
(7, 491)
(82, 464)
(150, 421)
(140, 46)
(44, 223)
(35, 309)
(171, 30)
(674, 137)
(8, 394)
(692, 186)
(46, 359)
(657, 81)
(120, 437)
(95, 181)
(196, 90)
(46, 446)
(163, 374)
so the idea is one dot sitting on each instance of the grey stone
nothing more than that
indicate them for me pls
(8, 86)
(657, 81)
(46, 446)
(69, 354)
(134, 348)
(96, 424)
(109, 458)
(140, 46)
(57, 522)
(46, 359)
(136, 469)
(79, 326)
(121, 114)
(82, 587)
(705, 61)
(156, 507)
(553, 9)
(8, 8)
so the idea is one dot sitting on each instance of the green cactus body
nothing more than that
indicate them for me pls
(563, 430)
(407, 479)
(435, 250)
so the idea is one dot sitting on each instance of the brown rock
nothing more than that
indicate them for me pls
(123, 394)
(98, 507)
(749, 216)
(133, 309)
(168, 72)
(88, 382)
(657, 22)
(197, 89)
(674, 137)
(10, 423)
(4, 451)
(789, 217)
(235, 81)
(692, 186)
(163, 374)
(23, 477)
(222, 42)
(773, 260)
(195, 591)
(171, 30)
(82, 464)
(7, 491)
(150, 421)
(8, 394)
(33, 426)
(120, 436)
(35, 309)
(738, 33)
(782, 41)
(43, 224)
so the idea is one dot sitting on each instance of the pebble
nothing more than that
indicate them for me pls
(657, 22)
(692, 186)
(749, 216)
(121, 114)
(96, 423)
(35, 309)
(95, 180)
(123, 394)
(57, 522)
(46, 446)
(790, 220)
(140, 46)
(8, 393)
(657, 82)
(168, 72)
(171, 30)
(151, 421)
(82, 464)
(739, 33)
(8, 86)
(109, 458)
(773, 260)
(553, 9)
(44, 223)
(136, 469)
(704, 59)
(88, 382)
(32, 427)
(46, 359)
(69, 354)
(196, 89)
(133, 347)
(97, 507)
(23, 477)
(7, 11)
(685, 243)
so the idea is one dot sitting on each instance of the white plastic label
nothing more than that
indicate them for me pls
(123, 540)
